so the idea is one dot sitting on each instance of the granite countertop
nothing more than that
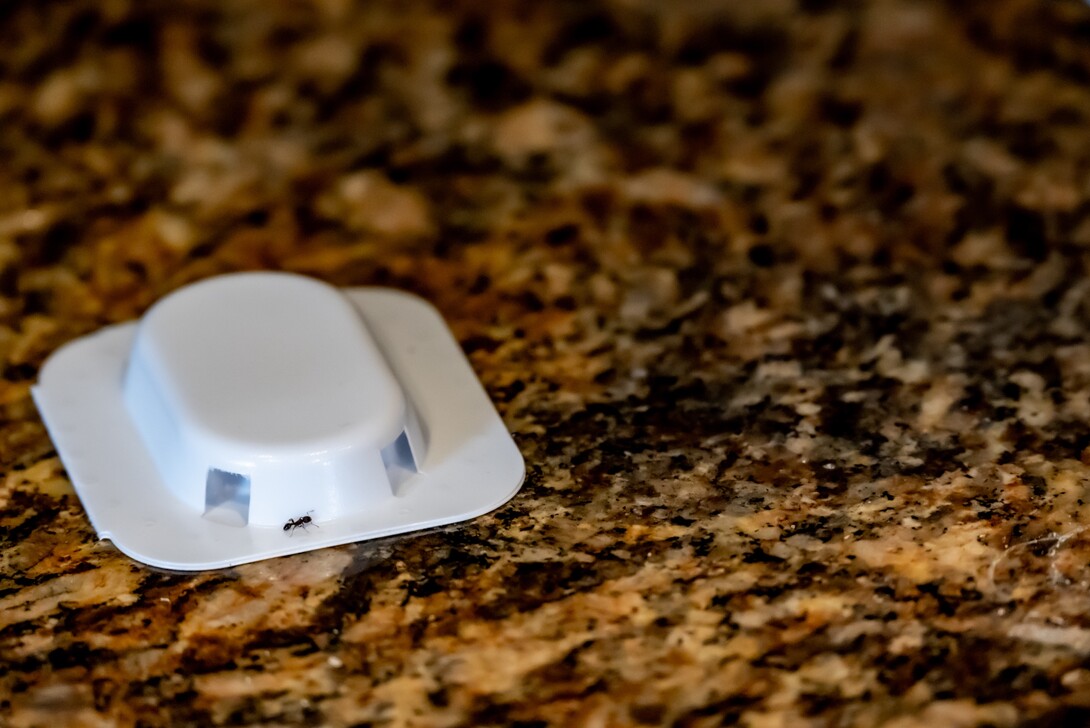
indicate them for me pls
(784, 303)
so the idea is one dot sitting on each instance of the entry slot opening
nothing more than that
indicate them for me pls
(227, 497)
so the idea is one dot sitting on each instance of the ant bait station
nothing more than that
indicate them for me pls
(196, 436)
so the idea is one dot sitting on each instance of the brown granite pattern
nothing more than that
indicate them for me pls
(785, 303)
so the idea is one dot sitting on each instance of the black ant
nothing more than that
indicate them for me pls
(300, 522)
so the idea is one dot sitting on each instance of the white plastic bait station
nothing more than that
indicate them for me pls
(255, 415)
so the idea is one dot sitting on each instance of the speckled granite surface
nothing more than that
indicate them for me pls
(785, 303)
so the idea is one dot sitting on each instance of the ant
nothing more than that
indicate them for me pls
(300, 522)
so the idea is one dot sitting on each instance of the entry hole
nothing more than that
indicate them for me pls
(227, 498)
(400, 465)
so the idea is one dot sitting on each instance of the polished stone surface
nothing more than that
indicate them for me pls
(785, 304)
